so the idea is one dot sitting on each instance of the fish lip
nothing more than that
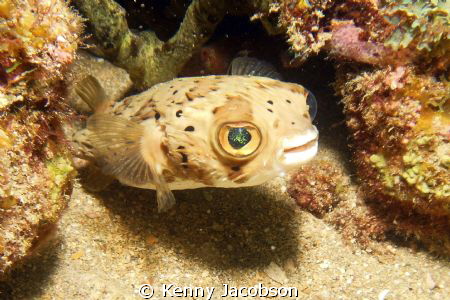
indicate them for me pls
(302, 141)
(302, 147)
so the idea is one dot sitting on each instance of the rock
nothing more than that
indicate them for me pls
(276, 273)
(114, 80)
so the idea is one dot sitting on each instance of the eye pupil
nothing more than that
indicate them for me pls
(238, 137)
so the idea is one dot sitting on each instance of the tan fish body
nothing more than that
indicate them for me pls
(221, 131)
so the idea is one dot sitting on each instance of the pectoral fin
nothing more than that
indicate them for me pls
(118, 146)
(164, 195)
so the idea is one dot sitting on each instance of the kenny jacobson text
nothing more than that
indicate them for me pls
(170, 290)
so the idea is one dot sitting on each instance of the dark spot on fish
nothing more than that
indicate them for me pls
(214, 88)
(117, 113)
(189, 96)
(305, 115)
(179, 113)
(180, 147)
(157, 115)
(270, 102)
(174, 92)
(293, 123)
(89, 146)
(215, 110)
(189, 128)
(276, 123)
(129, 142)
(235, 168)
(179, 103)
(173, 101)
(270, 110)
(184, 159)
(192, 89)
(261, 86)
(196, 81)
(171, 86)
(288, 101)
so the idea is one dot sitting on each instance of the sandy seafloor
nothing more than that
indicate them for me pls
(109, 243)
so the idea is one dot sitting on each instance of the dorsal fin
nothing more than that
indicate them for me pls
(90, 90)
(253, 67)
(118, 146)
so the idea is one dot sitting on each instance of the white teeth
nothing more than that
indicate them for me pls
(300, 139)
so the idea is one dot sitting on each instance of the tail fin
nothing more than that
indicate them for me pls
(90, 90)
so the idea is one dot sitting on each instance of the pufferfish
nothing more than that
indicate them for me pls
(224, 131)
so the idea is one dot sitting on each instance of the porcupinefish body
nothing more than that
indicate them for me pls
(222, 131)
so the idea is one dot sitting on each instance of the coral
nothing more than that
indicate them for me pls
(148, 59)
(421, 26)
(38, 40)
(324, 188)
(36, 175)
(375, 32)
(309, 24)
(399, 123)
(318, 187)
(400, 132)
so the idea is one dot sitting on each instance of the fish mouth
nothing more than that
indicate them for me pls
(299, 149)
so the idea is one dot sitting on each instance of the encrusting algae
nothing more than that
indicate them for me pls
(38, 39)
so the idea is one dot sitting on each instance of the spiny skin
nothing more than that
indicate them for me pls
(181, 118)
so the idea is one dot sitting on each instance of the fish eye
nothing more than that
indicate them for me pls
(312, 104)
(239, 139)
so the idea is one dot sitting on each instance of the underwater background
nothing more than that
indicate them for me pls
(367, 218)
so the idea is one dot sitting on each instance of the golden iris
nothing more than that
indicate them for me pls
(239, 139)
